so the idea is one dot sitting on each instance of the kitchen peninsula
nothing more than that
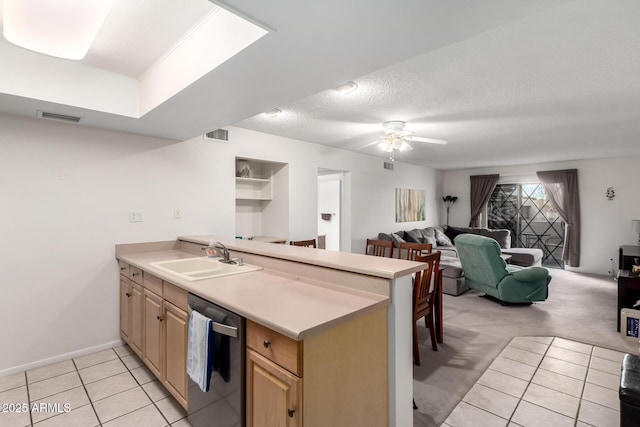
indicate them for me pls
(349, 314)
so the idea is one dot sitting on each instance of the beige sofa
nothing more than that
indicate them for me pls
(442, 239)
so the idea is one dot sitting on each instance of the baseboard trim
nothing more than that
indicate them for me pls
(59, 358)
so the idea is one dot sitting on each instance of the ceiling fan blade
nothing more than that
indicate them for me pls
(369, 144)
(429, 140)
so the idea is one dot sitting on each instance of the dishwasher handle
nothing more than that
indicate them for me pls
(221, 328)
(231, 331)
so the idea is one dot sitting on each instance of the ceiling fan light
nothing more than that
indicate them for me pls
(347, 87)
(273, 112)
(62, 29)
(403, 146)
(386, 146)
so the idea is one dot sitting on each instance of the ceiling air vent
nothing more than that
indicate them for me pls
(388, 165)
(218, 135)
(58, 117)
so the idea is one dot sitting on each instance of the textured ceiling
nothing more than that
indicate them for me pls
(504, 81)
(562, 84)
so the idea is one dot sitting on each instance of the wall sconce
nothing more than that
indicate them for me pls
(448, 202)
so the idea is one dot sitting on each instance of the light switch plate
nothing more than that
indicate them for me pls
(177, 213)
(135, 216)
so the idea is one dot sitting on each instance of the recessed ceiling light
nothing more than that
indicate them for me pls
(347, 87)
(273, 112)
(62, 29)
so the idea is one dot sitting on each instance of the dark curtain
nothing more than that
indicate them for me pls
(562, 190)
(481, 188)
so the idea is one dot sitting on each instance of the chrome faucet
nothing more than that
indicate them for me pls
(221, 250)
(218, 249)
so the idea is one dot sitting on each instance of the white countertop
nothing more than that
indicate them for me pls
(294, 307)
(387, 268)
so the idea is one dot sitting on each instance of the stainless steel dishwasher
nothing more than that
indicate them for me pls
(224, 404)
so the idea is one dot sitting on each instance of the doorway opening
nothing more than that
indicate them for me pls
(330, 207)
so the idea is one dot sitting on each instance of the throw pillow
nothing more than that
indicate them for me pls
(453, 232)
(384, 236)
(442, 238)
(429, 232)
(432, 241)
(413, 236)
(396, 238)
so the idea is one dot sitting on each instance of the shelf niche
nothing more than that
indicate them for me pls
(262, 198)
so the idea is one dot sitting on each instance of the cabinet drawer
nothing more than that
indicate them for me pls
(124, 269)
(282, 350)
(175, 295)
(135, 274)
(153, 283)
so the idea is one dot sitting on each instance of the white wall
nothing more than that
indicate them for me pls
(372, 188)
(66, 192)
(605, 224)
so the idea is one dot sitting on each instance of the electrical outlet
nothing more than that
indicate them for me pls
(135, 216)
(177, 213)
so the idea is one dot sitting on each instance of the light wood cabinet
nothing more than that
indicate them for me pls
(175, 351)
(153, 321)
(334, 378)
(153, 336)
(274, 396)
(135, 319)
(131, 310)
(125, 307)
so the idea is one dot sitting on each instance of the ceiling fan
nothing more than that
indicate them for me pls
(397, 138)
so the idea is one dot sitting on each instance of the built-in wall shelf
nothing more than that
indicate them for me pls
(252, 180)
(262, 199)
(253, 189)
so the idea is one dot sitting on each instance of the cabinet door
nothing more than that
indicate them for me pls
(125, 307)
(152, 346)
(274, 395)
(135, 321)
(175, 352)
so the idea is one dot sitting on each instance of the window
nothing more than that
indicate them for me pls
(525, 210)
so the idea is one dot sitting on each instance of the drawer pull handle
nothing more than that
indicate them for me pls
(128, 295)
(290, 412)
(123, 268)
(160, 318)
(134, 274)
(266, 343)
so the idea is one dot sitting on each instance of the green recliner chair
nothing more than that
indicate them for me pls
(486, 271)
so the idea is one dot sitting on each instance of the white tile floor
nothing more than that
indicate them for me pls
(544, 381)
(110, 388)
(535, 381)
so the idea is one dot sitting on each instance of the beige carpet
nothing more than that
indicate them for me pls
(580, 307)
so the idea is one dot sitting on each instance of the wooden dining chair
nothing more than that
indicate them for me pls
(412, 249)
(424, 291)
(306, 243)
(383, 248)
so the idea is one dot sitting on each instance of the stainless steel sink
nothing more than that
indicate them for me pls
(202, 268)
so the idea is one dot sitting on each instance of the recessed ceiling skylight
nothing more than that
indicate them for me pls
(64, 29)
(213, 36)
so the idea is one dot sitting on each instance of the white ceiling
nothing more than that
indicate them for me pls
(504, 81)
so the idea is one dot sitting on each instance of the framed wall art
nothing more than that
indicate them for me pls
(410, 205)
